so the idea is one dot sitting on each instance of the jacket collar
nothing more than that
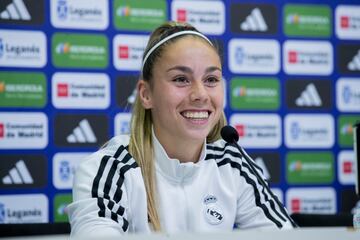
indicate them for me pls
(172, 168)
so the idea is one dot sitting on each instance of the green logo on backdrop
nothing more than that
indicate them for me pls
(255, 93)
(345, 129)
(79, 50)
(307, 20)
(25, 89)
(139, 15)
(310, 167)
(60, 202)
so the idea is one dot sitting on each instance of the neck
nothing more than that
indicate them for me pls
(184, 151)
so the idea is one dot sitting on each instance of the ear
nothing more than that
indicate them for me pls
(144, 92)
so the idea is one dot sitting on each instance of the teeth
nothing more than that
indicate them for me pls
(196, 115)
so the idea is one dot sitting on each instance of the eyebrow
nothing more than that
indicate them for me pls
(189, 70)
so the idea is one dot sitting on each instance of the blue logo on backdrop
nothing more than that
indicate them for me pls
(64, 170)
(2, 213)
(347, 94)
(62, 9)
(124, 127)
(239, 55)
(295, 130)
(1, 48)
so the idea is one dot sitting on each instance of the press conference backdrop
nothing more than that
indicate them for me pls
(68, 75)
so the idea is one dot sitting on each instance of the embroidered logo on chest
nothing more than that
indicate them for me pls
(212, 211)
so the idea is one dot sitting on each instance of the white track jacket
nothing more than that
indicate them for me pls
(218, 193)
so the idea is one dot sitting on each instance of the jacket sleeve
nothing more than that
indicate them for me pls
(256, 208)
(100, 196)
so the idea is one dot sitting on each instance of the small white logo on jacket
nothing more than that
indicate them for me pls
(212, 211)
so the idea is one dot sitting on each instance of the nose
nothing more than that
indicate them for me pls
(198, 92)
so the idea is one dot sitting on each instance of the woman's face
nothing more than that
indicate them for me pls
(186, 95)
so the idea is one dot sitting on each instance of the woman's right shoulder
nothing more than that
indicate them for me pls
(112, 161)
(110, 148)
(116, 149)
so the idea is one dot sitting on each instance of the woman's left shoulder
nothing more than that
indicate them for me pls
(223, 153)
(222, 147)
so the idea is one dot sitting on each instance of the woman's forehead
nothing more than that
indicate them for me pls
(188, 46)
(188, 40)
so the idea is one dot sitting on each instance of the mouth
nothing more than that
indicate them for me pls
(196, 115)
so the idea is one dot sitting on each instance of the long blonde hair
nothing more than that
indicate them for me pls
(140, 145)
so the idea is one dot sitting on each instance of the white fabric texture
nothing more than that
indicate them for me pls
(217, 193)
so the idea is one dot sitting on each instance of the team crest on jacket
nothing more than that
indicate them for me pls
(213, 213)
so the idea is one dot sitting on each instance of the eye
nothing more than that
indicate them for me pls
(212, 81)
(181, 80)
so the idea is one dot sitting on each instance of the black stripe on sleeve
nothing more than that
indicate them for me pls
(125, 225)
(105, 194)
(215, 148)
(123, 170)
(126, 158)
(119, 151)
(232, 153)
(100, 172)
(266, 195)
(120, 210)
(109, 178)
(225, 150)
(222, 154)
(254, 186)
(100, 202)
(110, 205)
(114, 217)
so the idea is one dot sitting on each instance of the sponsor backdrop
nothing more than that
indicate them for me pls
(69, 68)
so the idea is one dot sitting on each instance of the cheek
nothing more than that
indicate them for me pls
(167, 98)
(218, 97)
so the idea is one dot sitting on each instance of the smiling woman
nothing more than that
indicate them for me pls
(185, 95)
(173, 173)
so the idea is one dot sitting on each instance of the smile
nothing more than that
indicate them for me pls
(200, 115)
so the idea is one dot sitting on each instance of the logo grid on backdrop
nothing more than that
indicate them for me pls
(291, 73)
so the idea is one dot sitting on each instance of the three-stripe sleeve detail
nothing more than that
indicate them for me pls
(224, 151)
(111, 174)
(225, 155)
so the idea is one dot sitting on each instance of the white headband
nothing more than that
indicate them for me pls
(170, 37)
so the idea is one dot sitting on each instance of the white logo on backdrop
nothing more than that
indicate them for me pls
(132, 97)
(18, 175)
(64, 166)
(16, 11)
(347, 21)
(82, 133)
(24, 208)
(122, 123)
(254, 56)
(308, 57)
(346, 167)
(17, 52)
(348, 94)
(311, 200)
(254, 132)
(80, 14)
(254, 22)
(208, 17)
(309, 97)
(23, 130)
(128, 51)
(309, 131)
(354, 64)
(82, 90)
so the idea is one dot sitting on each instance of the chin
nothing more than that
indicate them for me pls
(198, 134)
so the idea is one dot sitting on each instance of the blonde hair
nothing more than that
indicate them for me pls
(140, 145)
